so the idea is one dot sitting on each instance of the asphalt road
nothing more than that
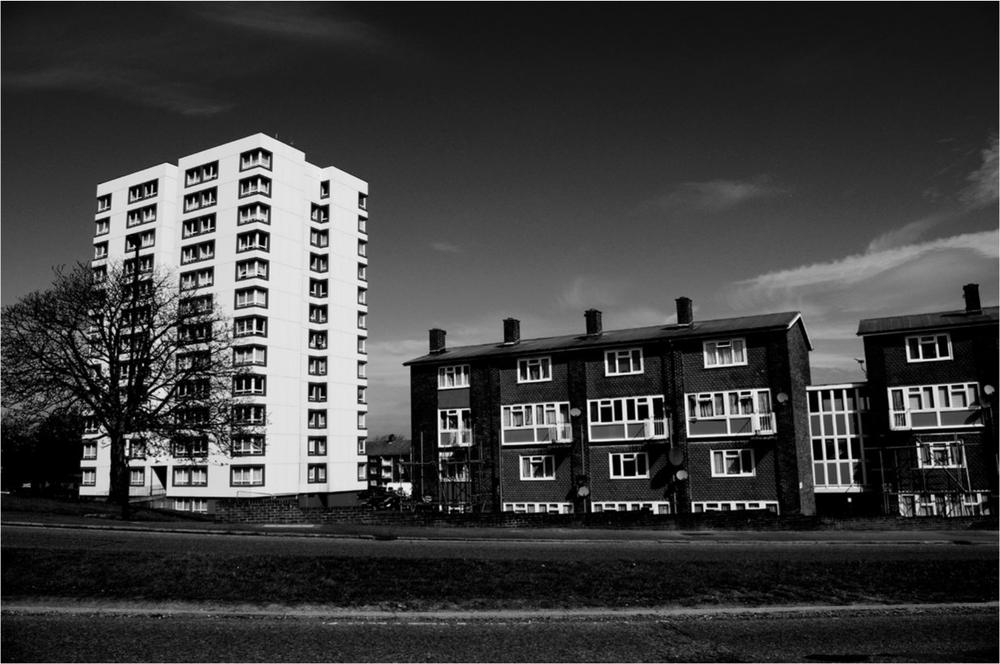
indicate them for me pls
(964, 546)
(959, 634)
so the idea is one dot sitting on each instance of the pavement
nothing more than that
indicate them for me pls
(444, 533)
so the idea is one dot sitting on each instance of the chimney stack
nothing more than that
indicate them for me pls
(685, 311)
(511, 330)
(437, 340)
(593, 318)
(973, 305)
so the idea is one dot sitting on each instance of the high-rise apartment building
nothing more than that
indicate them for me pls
(280, 245)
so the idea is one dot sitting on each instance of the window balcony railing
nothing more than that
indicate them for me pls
(459, 438)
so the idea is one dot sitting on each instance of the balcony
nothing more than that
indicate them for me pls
(651, 429)
(458, 438)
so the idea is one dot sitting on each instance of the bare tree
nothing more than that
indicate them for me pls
(151, 364)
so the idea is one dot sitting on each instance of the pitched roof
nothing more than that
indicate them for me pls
(942, 319)
(608, 338)
(385, 447)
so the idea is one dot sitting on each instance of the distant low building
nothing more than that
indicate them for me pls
(389, 462)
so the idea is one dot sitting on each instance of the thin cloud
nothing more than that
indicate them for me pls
(446, 247)
(984, 183)
(292, 21)
(910, 233)
(714, 195)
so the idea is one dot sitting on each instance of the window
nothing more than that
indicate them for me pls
(142, 191)
(194, 306)
(317, 313)
(540, 508)
(934, 406)
(455, 427)
(89, 450)
(253, 213)
(534, 370)
(324, 189)
(249, 414)
(198, 174)
(258, 158)
(362, 272)
(143, 240)
(253, 241)
(317, 339)
(363, 201)
(362, 224)
(362, 320)
(317, 392)
(362, 248)
(249, 355)
(362, 370)
(317, 287)
(733, 463)
(189, 446)
(258, 185)
(623, 362)
(535, 423)
(928, 348)
(655, 507)
(628, 465)
(202, 251)
(190, 476)
(194, 361)
(734, 506)
(726, 353)
(246, 475)
(198, 225)
(737, 413)
(255, 296)
(363, 296)
(452, 468)
(102, 226)
(250, 326)
(197, 278)
(317, 366)
(100, 251)
(194, 333)
(103, 203)
(248, 385)
(362, 394)
(944, 504)
(538, 468)
(453, 376)
(316, 473)
(836, 415)
(253, 268)
(145, 265)
(248, 445)
(100, 274)
(200, 199)
(198, 505)
(362, 441)
(941, 454)
(193, 389)
(320, 213)
(319, 262)
(362, 473)
(143, 215)
(362, 419)
(628, 418)
(316, 446)
(88, 477)
(319, 238)
(363, 345)
(317, 419)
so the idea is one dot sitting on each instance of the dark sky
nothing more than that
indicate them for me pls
(535, 160)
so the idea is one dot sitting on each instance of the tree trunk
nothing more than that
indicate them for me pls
(118, 492)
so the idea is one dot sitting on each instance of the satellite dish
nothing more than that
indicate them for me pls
(675, 456)
(681, 475)
(574, 412)
(782, 397)
(583, 491)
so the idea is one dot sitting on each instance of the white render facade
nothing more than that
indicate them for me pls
(281, 245)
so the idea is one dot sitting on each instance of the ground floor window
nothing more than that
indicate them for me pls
(453, 469)
(137, 477)
(89, 477)
(317, 473)
(538, 508)
(656, 507)
(191, 505)
(734, 505)
(943, 504)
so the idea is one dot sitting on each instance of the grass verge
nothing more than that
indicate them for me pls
(485, 584)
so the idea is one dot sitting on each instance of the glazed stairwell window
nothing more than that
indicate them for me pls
(455, 427)
(534, 370)
(735, 413)
(928, 348)
(725, 353)
(934, 406)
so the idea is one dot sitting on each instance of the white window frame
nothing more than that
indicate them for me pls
(613, 359)
(701, 506)
(713, 359)
(189, 476)
(552, 418)
(445, 459)
(252, 268)
(744, 457)
(538, 508)
(525, 365)
(248, 445)
(954, 454)
(763, 419)
(935, 341)
(249, 385)
(246, 475)
(620, 411)
(622, 459)
(459, 435)
(545, 463)
(453, 377)
(902, 420)
(655, 506)
(250, 409)
(252, 355)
